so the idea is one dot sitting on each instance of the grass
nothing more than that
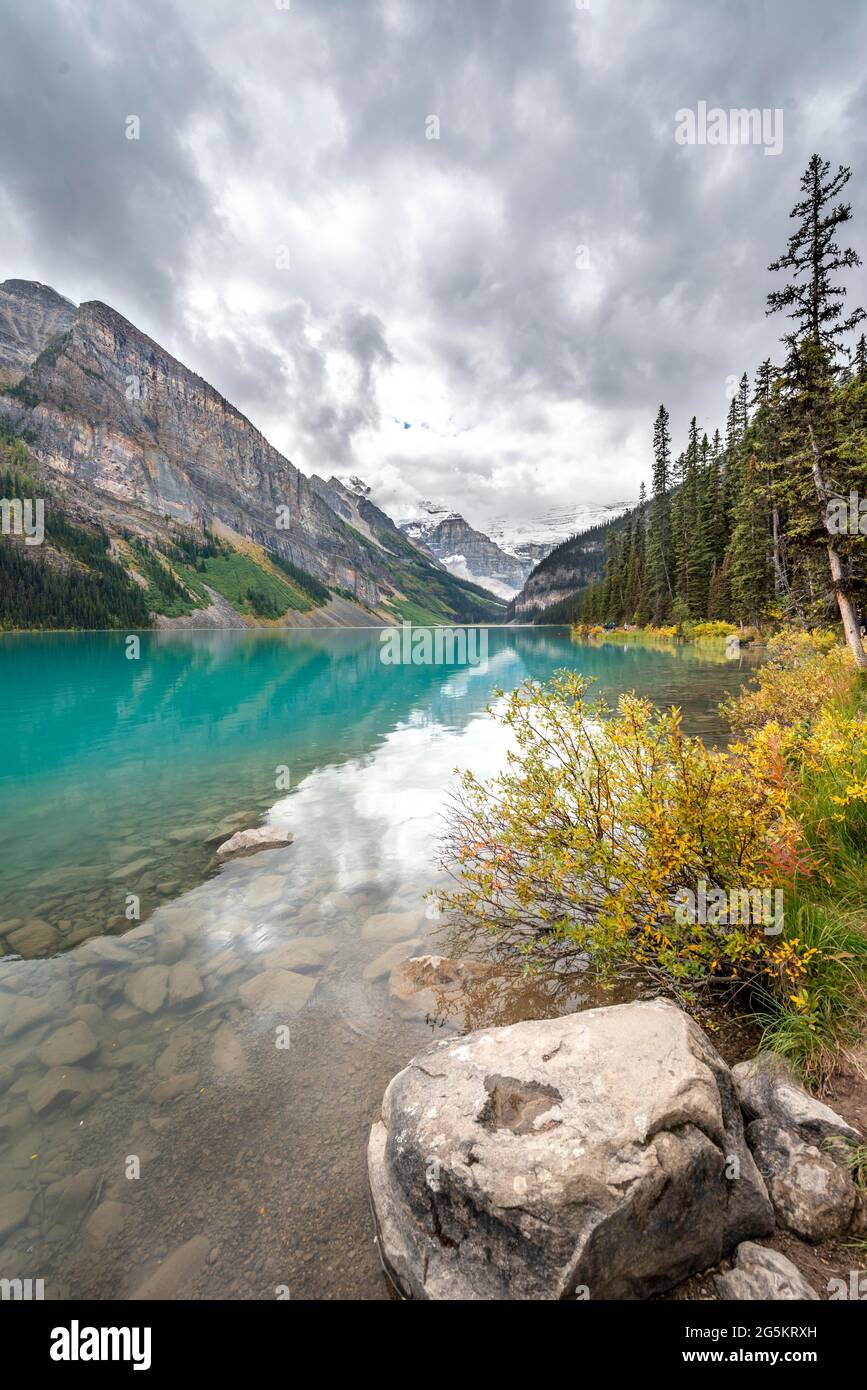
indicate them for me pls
(177, 581)
(811, 1041)
(237, 578)
(408, 612)
(165, 594)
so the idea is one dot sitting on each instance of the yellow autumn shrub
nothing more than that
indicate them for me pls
(610, 827)
(607, 831)
(804, 672)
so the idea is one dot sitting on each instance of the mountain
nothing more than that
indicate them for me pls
(199, 511)
(537, 535)
(553, 591)
(351, 501)
(505, 554)
(466, 552)
(31, 315)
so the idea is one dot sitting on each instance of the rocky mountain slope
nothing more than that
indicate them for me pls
(554, 587)
(129, 440)
(31, 315)
(469, 553)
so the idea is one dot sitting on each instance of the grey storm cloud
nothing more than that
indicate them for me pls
(522, 291)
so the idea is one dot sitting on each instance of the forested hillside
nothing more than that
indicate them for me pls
(767, 522)
(553, 591)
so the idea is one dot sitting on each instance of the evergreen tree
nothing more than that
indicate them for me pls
(641, 597)
(659, 535)
(732, 471)
(814, 304)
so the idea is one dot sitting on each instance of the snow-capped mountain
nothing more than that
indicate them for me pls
(466, 552)
(500, 557)
(538, 535)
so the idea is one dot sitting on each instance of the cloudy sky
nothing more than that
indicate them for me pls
(488, 319)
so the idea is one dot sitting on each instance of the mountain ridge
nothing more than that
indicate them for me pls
(127, 435)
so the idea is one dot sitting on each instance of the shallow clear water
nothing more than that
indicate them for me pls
(239, 1075)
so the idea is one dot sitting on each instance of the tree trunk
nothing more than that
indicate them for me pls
(779, 577)
(847, 608)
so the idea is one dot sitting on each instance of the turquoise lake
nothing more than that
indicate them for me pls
(157, 1129)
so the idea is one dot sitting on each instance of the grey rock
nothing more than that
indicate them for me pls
(171, 946)
(37, 938)
(104, 950)
(245, 842)
(391, 926)
(185, 983)
(146, 989)
(385, 962)
(59, 1086)
(228, 1054)
(70, 1044)
(305, 953)
(90, 1013)
(441, 988)
(469, 553)
(265, 890)
(66, 1199)
(132, 1055)
(14, 1210)
(769, 1090)
(277, 990)
(545, 1158)
(31, 315)
(189, 453)
(759, 1273)
(169, 1061)
(812, 1196)
(104, 1223)
(128, 873)
(177, 1273)
(25, 1013)
(174, 1086)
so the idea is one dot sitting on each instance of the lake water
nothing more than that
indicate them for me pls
(185, 1096)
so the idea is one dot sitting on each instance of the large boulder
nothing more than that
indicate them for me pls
(598, 1155)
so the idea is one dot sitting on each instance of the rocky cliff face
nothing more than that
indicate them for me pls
(31, 315)
(106, 407)
(351, 502)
